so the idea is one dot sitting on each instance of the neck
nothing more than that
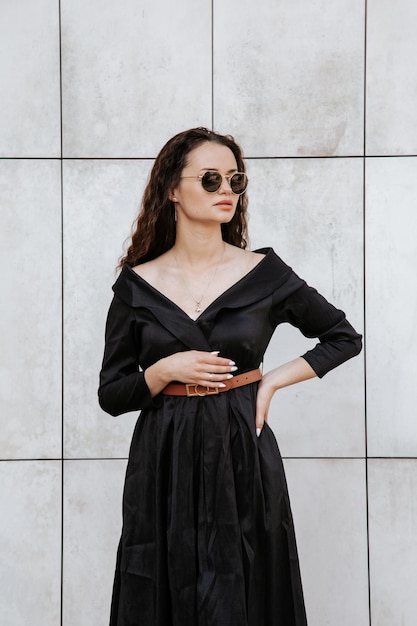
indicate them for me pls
(199, 247)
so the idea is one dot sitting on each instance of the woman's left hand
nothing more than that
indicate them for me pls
(263, 400)
(289, 373)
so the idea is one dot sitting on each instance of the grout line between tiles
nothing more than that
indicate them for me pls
(62, 319)
(125, 458)
(365, 310)
(247, 158)
(212, 64)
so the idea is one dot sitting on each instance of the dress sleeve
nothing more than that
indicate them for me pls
(314, 316)
(122, 385)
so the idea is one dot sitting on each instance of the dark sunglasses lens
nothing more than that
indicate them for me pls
(211, 181)
(239, 182)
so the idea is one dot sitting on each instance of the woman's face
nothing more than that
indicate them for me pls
(192, 201)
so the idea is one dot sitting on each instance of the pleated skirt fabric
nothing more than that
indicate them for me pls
(208, 536)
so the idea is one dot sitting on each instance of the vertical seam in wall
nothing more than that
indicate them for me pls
(212, 64)
(62, 317)
(364, 306)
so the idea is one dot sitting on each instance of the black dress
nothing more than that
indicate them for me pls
(208, 536)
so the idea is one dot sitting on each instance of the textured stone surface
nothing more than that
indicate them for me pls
(133, 75)
(101, 201)
(30, 362)
(391, 127)
(287, 79)
(391, 252)
(393, 540)
(288, 76)
(310, 211)
(92, 501)
(30, 82)
(329, 507)
(30, 543)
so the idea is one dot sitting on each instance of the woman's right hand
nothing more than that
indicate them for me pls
(207, 369)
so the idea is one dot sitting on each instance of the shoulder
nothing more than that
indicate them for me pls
(134, 286)
(247, 259)
(152, 270)
(265, 266)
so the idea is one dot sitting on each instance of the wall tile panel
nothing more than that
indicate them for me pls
(133, 75)
(391, 77)
(288, 76)
(92, 527)
(329, 506)
(391, 302)
(30, 543)
(310, 211)
(393, 540)
(30, 82)
(30, 361)
(101, 200)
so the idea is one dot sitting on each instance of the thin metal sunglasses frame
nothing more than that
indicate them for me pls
(228, 178)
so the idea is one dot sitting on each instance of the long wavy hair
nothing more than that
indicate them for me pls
(154, 230)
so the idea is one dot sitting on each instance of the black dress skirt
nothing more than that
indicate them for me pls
(208, 537)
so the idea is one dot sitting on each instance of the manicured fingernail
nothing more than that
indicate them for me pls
(215, 352)
(229, 376)
(232, 363)
(222, 385)
(234, 368)
(258, 431)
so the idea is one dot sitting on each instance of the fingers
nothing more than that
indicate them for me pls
(216, 379)
(220, 364)
(201, 368)
(216, 376)
(259, 423)
(218, 369)
(263, 400)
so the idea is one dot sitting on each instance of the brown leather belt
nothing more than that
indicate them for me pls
(191, 389)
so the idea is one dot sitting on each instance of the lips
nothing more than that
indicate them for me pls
(224, 202)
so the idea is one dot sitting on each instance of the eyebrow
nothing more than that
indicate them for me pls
(215, 169)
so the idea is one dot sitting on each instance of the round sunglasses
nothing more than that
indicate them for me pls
(211, 181)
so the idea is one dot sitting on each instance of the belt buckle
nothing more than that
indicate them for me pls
(208, 391)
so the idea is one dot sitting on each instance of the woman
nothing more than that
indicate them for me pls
(208, 537)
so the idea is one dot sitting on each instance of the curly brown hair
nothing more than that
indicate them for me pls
(154, 229)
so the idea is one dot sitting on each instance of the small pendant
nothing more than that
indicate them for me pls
(198, 308)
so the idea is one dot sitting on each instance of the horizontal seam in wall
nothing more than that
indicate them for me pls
(247, 158)
(289, 458)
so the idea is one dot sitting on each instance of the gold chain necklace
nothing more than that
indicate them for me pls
(198, 301)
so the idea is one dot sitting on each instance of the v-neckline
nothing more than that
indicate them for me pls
(226, 291)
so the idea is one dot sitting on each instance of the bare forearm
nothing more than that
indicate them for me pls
(282, 376)
(156, 377)
(289, 373)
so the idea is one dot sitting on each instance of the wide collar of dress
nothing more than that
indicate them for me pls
(270, 275)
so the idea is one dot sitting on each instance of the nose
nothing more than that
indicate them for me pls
(225, 186)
